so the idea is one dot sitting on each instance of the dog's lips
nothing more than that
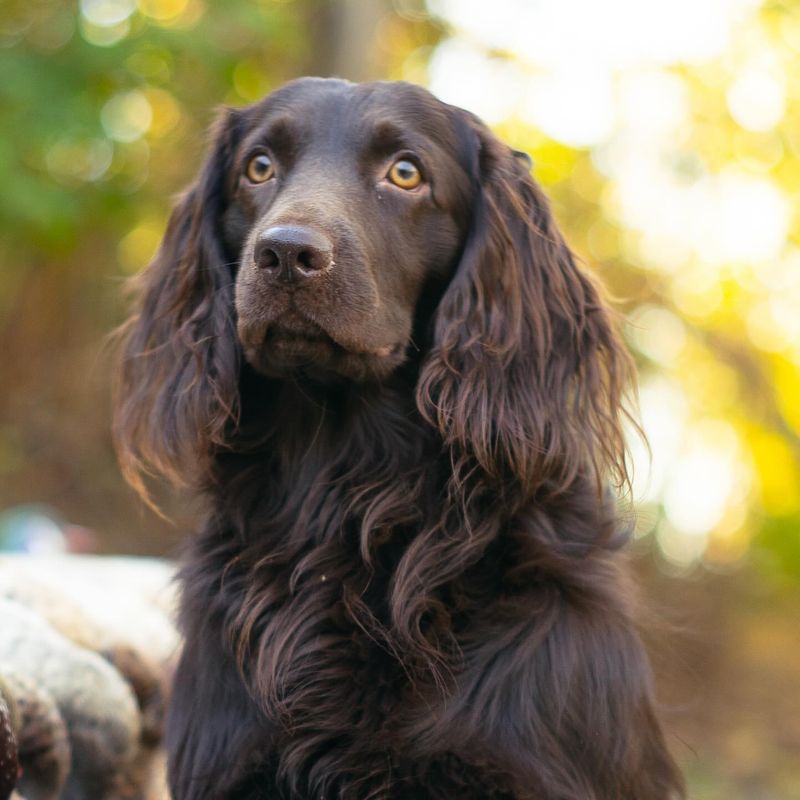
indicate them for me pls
(294, 333)
(292, 325)
(361, 349)
(351, 345)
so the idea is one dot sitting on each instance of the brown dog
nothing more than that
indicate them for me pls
(366, 342)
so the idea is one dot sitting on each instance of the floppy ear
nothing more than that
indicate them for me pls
(527, 374)
(176, 388)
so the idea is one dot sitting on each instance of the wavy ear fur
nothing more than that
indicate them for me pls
(527, 374)
(176, 389)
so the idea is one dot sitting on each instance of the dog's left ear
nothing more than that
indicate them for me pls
(527, 374)
(177, 386)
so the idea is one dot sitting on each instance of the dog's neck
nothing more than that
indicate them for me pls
(308, 440)
(303, 414)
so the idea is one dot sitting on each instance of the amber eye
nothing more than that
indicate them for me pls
(259, 168)
(405, 174)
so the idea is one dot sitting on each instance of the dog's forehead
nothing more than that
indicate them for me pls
(333, 109)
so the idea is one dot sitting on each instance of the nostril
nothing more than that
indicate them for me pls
(268, 259)
(308, 261)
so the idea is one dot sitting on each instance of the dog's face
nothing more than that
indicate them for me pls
(347, 201)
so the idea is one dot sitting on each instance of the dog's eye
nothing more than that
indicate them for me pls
(405, 174)
(259, 168)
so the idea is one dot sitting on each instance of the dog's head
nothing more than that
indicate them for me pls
(339, 230)
(345, 202)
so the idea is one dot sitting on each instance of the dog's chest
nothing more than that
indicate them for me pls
(336, 684)
(316, 633)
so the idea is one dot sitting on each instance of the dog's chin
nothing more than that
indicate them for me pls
(283, 351)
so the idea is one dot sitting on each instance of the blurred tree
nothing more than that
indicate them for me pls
(344, 39)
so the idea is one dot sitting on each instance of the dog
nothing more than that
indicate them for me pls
(367, 346)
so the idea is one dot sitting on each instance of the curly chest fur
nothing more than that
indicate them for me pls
(313, 640)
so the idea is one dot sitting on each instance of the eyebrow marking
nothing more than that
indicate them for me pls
(389, 136)
(280, 132)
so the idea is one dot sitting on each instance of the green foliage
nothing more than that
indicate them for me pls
(74, 167)
(776, 549)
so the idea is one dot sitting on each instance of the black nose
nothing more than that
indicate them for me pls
(293, 252)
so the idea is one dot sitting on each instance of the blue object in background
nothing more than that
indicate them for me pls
(32, 529)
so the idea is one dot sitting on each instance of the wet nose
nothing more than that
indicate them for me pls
(293, 252)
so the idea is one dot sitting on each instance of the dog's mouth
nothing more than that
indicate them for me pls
(293, 341)
(289, 340)
(292, 327)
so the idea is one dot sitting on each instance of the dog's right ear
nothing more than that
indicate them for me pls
(177, 385)
(527, 375)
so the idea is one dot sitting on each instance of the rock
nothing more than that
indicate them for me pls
(96, 704)
(118, 607)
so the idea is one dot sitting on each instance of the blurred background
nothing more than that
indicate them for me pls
(668, 137)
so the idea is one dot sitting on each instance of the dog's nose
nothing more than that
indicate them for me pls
(293, 252)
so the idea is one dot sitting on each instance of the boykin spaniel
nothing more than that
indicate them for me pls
(365, 343)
